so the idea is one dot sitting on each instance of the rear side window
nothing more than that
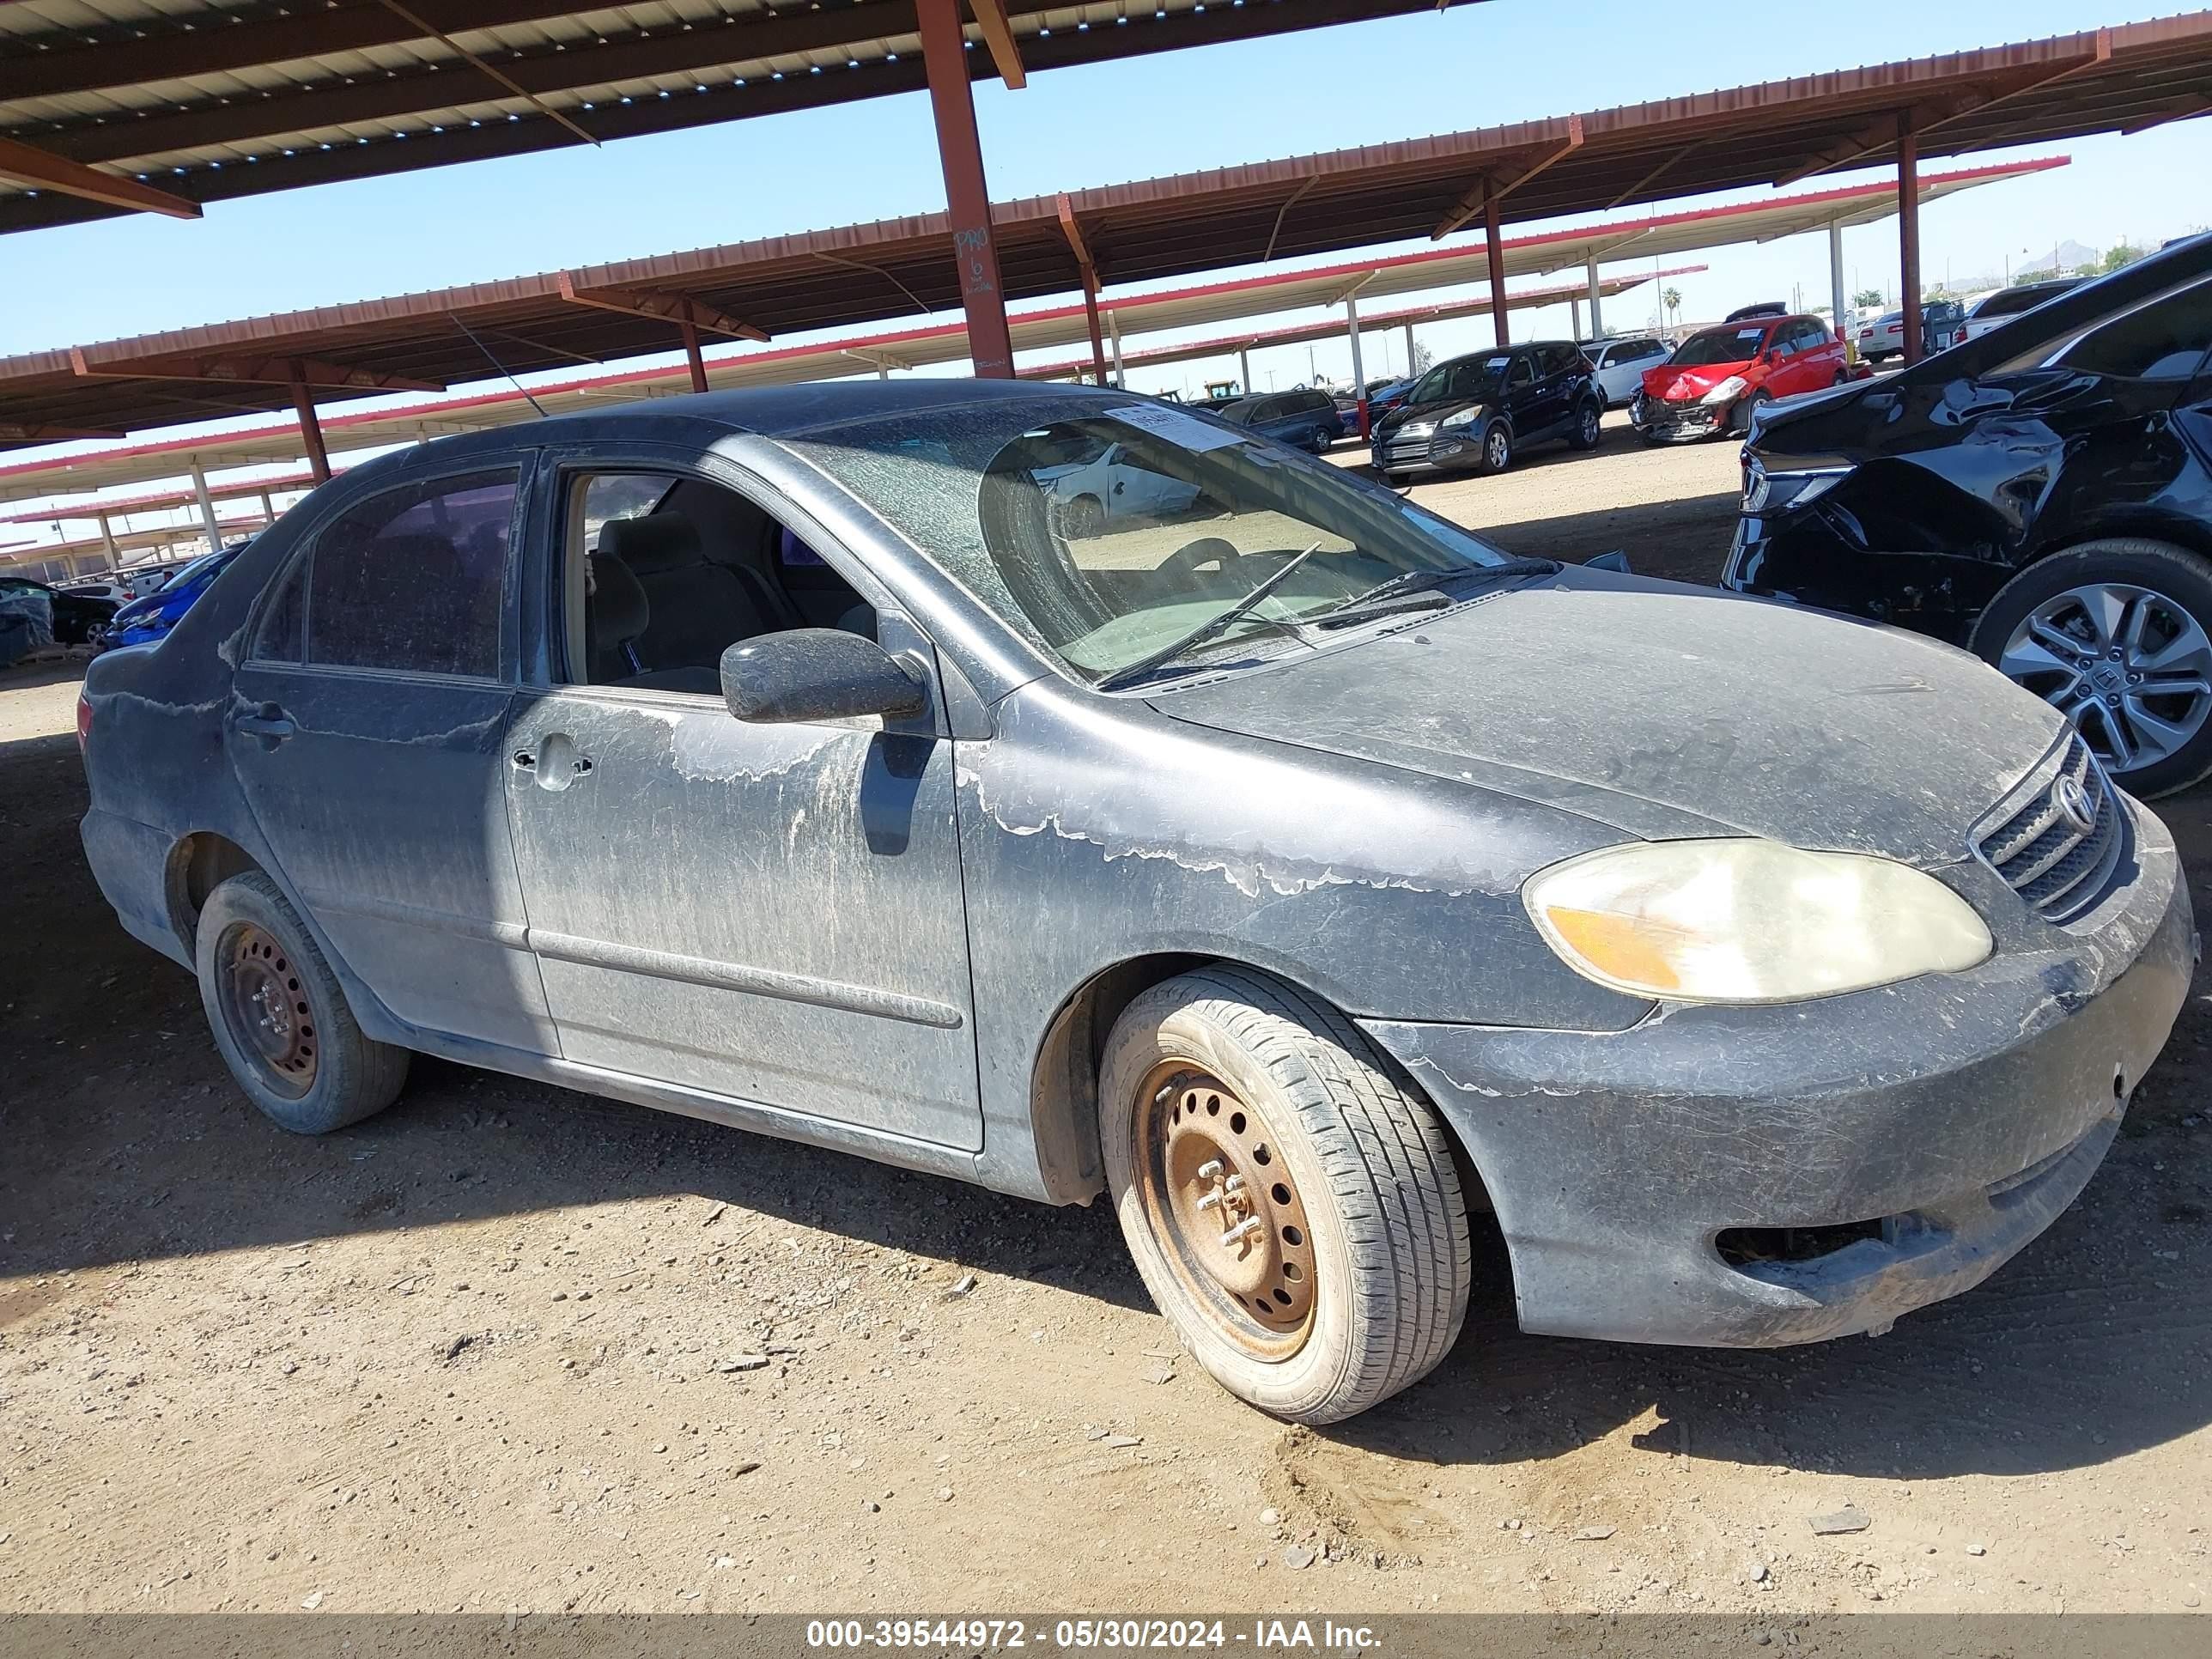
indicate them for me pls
(415, 580)
(283, 623)
(2165, 340)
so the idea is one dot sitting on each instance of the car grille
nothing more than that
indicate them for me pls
(2060, 869)
(1405, 452)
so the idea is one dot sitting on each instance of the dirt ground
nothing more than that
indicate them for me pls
(509, 1349)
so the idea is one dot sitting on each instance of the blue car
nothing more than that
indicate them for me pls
(1303, 419)
(145, 620)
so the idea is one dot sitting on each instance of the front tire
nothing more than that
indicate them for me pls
(1739, 421)
(280, 1018)
(1294, 1213)
(1496, 448)
(2117, 634)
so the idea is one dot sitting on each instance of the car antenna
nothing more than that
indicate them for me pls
(500, 366)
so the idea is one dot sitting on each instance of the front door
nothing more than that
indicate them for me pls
(771, 914)
(367, 733)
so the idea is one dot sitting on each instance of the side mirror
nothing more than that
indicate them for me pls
(1615, 560)
(816, 674)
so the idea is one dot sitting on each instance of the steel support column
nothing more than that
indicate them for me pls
(107, 540)
(1836, 288)
(1113, 338)
(1575, 315)
(1244, 370)
(691, 355)
(1596, 290)
(267, 507)
(1908, 233)
(1409, 351)
(1497, 258)
(1359, 374)
(207, 508)
(1098, 342)
(311, 429)
(960, 152)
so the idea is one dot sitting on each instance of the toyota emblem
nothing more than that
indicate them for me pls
(2074, 805)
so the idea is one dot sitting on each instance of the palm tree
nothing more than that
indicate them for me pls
(1672, 301)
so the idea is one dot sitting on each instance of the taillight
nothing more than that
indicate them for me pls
(84, 721)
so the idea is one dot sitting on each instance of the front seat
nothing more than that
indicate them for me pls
(615, 614)
(696, 608)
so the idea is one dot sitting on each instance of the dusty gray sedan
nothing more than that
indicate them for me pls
(1267, 853)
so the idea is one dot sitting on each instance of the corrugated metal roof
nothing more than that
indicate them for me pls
(1044, 329)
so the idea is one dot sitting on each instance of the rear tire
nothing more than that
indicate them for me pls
(1330, 1267)
(2038, 617)
(1589, 423)
(279, 1015)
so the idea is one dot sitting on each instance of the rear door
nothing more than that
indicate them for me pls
(368, 733)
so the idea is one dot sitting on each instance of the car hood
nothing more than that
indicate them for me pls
(1431, 413)
(1668, 711)
(1667, 381)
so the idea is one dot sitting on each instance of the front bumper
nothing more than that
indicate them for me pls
(1438, 452)
(1942, 1124)
(1682, 422)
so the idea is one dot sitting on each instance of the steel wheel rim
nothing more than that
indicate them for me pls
(1501, 447)
(265, 1008)
(2127, 664)
(1220, 1199)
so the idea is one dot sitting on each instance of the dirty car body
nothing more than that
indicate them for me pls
(906, 935)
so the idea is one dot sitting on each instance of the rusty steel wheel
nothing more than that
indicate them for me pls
(279, 1015)
(1223, 1200)
(1295, 1212)
(268, 1012)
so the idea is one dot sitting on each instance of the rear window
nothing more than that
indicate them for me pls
(414, 580)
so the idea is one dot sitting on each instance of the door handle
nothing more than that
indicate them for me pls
(269, 723)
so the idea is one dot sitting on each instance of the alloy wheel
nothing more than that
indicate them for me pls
(1220, 1197)
(2130, 666)
(1497, 448)
(266, 1009)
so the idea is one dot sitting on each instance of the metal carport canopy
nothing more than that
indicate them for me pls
(820, 279)
(119, 106)
(1046, 329)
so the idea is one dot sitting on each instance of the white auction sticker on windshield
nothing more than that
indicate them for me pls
(1176, 426)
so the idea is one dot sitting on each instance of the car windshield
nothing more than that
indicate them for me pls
(1460, 381)
(1714, 346)
(1172, 520)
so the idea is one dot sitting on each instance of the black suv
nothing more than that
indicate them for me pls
(1473, 413)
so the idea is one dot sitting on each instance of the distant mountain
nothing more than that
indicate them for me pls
(2066, 259)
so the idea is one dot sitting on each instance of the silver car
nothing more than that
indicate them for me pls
(1290, 869)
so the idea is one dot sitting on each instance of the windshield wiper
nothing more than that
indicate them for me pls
(1408, 583)
(1219, 623)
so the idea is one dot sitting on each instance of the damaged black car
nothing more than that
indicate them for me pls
(2039, 494)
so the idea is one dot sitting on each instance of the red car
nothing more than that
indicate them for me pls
(1718, 375)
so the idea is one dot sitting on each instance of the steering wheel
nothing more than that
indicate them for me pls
(1189, 559)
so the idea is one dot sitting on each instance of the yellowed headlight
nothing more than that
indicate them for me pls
(1749, 920)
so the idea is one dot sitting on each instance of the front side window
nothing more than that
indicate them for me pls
(1103, 562)
(415, 580)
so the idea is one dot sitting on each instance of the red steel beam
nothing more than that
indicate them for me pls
(660, 304)
(1496, 256)
(960, 152)
(39, 169)
(693, 356)
(998, 33)
(243, 371)
(311, 428)
(1908, 233)
(1073, 228)
(1492, 185)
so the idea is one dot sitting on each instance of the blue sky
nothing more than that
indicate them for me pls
(1323, 89)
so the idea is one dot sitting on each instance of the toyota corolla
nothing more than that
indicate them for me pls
(1282, 862)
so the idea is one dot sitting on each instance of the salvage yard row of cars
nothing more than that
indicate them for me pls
(1244, 845)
